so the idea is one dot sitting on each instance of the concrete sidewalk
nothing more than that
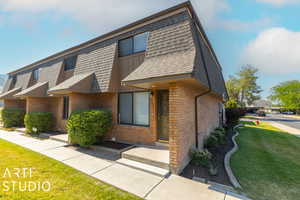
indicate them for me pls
(102, 167)
(285, 128)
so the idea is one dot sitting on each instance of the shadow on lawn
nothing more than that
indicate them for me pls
(248, 123)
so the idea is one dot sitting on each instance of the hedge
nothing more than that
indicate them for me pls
(37, 122)
(12, 117)
(233, 114)
(88, 126)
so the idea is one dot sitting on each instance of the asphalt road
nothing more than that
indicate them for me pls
(295, 123)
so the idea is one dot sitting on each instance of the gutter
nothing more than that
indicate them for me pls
(208, 80)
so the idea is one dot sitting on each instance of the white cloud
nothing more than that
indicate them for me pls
(274, 51)
(208, 10)
(93, 13)
(279, 2)
(252, 26)
(96, 14)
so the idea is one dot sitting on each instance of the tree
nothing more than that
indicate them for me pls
(231, 104)
(287, 94)
(249, 88)
(233, 88)
(243, 87)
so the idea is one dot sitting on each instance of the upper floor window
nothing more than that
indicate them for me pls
(14, 80)
(135, 44)
(36, 74)
(70, 63)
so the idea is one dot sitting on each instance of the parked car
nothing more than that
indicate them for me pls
(288, 113)
(261, 113)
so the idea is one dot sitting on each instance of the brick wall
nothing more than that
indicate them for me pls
(124, 133)
(14, 103)
(53, 105)
(182, 122)
(208, 117)
(136, 134)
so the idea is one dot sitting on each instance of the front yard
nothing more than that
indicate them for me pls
(267, 163)
(65, 183)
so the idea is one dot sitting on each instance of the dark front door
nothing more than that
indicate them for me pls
(163, 115)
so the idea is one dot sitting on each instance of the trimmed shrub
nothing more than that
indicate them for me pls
(233, 115)
(86, 127)
(12, 117)
(201, 157)
(231, 104)
(211, 142)
(37, 122)
(221, 129)
(220, 135)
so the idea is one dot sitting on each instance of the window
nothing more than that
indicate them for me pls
(125, 47)
(66, 108)
(14, 80)
(134, 108)
(70, 63)
(36, 74)
(135, 44)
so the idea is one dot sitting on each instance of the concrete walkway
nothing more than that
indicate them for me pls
(103, 167)
(285, 128)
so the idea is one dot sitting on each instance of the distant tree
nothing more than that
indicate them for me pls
(243, 87)
(231, 104)
(249, 88)
(287, 94)
(233, 88)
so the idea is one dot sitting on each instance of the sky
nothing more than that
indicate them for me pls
(262, 33)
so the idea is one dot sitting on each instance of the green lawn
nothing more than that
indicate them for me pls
(267, 163)
(66, 183)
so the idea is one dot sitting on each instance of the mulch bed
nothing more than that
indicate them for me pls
(218, 160)
(114, 145)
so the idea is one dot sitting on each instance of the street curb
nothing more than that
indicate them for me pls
(227, 158)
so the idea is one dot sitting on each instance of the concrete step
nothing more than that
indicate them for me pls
(60, 138)
(144, 167)
(146, 161)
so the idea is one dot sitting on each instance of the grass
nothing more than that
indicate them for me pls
(66, 182)
(268, 163)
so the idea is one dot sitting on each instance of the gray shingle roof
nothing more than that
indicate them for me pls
(10, 94)
(7, 85)
(23, 80)
(170, 52)
(213, 70)
(37, 90)
(78, 83)
(99, 61)
(170, 39)
(51, 73)
(165, 65)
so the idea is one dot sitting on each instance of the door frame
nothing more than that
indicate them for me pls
(157, 116)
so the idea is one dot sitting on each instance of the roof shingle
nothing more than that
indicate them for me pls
(37, 90)
(10, 94)
(165, 65)
(79, 83)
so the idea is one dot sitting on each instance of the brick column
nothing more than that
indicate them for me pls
(174, 129)
(181, 125)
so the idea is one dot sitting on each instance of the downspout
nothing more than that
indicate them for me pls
(204, 93)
